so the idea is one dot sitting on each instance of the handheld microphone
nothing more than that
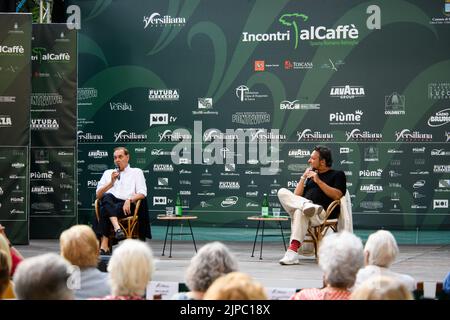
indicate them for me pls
(118, 170)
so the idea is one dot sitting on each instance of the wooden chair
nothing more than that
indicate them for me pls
(316, 233)
(128, 224)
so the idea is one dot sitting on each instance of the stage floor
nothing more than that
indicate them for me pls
(423, 262)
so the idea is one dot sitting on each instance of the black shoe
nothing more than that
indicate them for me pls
(105, 253)
(120, 235)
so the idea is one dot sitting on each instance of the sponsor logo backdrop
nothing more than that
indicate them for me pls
(15, 89)
(372, 81)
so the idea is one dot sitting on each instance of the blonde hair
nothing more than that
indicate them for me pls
(4, 272)
(381, 288)
(130, 268)
(4, 246)
(235, 286)
(79, 246)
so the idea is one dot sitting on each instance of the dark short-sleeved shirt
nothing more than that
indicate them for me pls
(333, 178)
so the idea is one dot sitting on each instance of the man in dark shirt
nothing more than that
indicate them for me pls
(318, 187)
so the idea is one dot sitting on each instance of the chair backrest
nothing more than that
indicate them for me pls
(345, 220)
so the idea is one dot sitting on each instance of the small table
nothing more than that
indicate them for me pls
(263, 220)
(170, 220)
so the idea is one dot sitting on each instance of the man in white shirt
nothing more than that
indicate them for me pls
(118, 190)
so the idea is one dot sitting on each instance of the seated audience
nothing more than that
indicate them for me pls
(446, 284)
(235, 286)
(44, 277)
(4, 273)
(380, 252)
(381, 288)
(212, 261)
(340, 257)
(80, 247)
(16, 257)
(131, 268)
(8, 292)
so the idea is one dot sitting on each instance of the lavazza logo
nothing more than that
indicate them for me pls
(338, 118)
(298, 153)
(98, 154)
(347, 92)
(42, 190)
(156, 20)
(5, 121)
(163, 95)
(371, 188)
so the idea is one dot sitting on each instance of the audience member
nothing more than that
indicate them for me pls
(4, 272)
(16, 257)
(212, 261)
(380, 252)
(80, 247)
(44, 277)
(381, 288)
(446, 284)
(8, 292)
(235, 286)
(340, 257)
(131, 268)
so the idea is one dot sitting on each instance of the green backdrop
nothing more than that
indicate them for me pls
(369, 79)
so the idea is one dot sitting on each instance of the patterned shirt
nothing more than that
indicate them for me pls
(321, 294)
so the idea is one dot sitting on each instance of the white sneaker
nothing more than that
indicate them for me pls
(310, 209)
(290, 257)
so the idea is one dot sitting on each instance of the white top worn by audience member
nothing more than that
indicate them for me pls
(131, 182)
(380, 252)
(371, 270)
(93, 283)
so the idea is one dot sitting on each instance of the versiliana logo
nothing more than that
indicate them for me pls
(156, 20)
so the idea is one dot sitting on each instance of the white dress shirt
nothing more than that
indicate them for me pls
(131, 182)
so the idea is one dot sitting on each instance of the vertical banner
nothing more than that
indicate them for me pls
(53, 130)
(15, 89)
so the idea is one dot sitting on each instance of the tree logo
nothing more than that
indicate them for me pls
(290, 19)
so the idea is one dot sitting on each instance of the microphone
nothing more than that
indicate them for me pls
(118, 170)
